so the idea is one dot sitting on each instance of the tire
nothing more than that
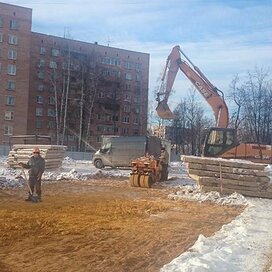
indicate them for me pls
(98, 164)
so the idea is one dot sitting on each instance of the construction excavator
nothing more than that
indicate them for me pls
(220, 141)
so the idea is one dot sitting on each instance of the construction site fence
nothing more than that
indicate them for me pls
(86, 156)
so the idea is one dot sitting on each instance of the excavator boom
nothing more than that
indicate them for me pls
(220, 140)
(202, 84)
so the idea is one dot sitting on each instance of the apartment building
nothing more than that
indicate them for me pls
(15, 41)
(71, 90)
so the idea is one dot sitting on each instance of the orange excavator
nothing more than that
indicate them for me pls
(220, 141)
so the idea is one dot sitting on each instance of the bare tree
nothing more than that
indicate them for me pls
(255, 105)
(190, 124)
(66, 96)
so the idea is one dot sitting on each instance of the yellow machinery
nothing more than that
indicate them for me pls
(145, 171)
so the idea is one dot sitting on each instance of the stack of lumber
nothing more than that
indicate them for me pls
(53, 154)
(229, 176)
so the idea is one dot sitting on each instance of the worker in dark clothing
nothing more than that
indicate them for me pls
(164, 160)
(36, 165)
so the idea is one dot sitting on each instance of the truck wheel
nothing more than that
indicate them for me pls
(98, 164)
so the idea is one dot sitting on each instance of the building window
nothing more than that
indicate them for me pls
(98, 139)
(53, 64)
(137, 109)
(40, 87)
(9, 115)
(12, 54)
(100, 117)
(136, 121)
(136, 99)
(8, 130)
(115, 118)
(12, 69)
(101, 95)
(40, 74)
(128, 76)
(52, 89)
(53, 75)
(1, 37)
(39, 111)
(128, 65)
(13, 39)
(1, 21)
(39, 123)
(111, 61)
(10, 100)
(127, 97)
(39, 99)
(42, 51)
(126, 108)
(51, 124)
(41, 63)
(125, 131)
(125, 119)
(55, 52)
(138, 67)
(135, 131)
(14, 24)
(11, 85)
(138, 77)
(51, 113)
(51, 100)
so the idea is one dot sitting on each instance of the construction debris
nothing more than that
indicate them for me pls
(53, 154)
(229, 176)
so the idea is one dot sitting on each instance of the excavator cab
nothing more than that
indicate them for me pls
(218, 141)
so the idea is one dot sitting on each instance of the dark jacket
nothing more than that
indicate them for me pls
(36, 166)
(164, 157)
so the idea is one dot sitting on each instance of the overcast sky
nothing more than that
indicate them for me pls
(222, 37)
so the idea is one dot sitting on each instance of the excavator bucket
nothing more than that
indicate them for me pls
(164, 111)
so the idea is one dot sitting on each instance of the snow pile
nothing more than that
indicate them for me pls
(241, 245)
(195, 194)
(70, 170)
(268, 169)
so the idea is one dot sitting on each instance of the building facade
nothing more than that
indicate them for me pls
(73, 91)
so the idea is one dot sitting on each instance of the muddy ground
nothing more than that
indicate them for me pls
(98, 225)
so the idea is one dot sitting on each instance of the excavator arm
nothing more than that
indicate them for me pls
(210, 93)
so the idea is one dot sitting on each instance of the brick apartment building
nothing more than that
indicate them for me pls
(73, 91)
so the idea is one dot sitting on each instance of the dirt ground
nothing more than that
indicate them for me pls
(100, 226)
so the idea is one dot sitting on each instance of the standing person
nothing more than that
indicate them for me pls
(36, 165)
(164, 159)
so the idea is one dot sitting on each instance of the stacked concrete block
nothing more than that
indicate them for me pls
(53, 154)
(229, 176)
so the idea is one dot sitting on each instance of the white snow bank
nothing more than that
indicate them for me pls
(241, 245)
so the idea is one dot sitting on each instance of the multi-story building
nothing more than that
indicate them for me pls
(73, 91)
